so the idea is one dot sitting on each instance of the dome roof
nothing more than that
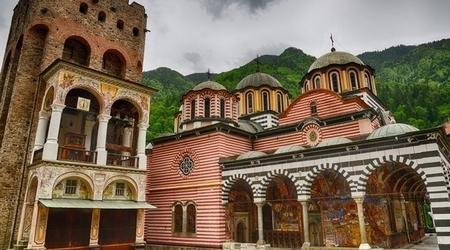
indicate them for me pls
(333, 141)
(209, 85)
(258, 79)
(334, 57)
(288, 148)
(250, 154)
(392, 129)
(250, 126)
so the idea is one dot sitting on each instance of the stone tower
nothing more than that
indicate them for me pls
(70, 87)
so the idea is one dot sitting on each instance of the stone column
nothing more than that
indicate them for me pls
(141, 145)
(101, 138)
(307, 241)
(362, 225)
(260, 224)
(51, 145)
(95, 226)
(140, 227)
(44, 117)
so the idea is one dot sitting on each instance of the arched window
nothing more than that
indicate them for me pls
(280, 105)
(135, 31)
(222, 108)
(112, 64)
(265, 100)
(334, 82)
(192, 109)
(75, 51)
(249, 98)
(313, 107)
(353, 80)
(317, 82)
(367, 81)
(178, 219)
(191, 219)
(207, 107)
(102, 16)
(120, 24)
(83, 8)
(306, 86)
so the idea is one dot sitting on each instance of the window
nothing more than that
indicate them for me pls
(102, 16)
(71, 187)
(178, 219)
(249, 98)
(120, 189)
(207, 107)
(75, 51)
(120, 24)
(112, 63)
(353, 80)
(193, 109)
(367, 80)
(334, 81)
(83, 8)
(317, 82)
(191, 219)
(222, 108)
(135, 31)
(313, 107)
(184, 219)
(186, 165)
(280, 106)
(306, 88)
(265, 100)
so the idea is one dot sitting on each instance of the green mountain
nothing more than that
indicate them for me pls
(413, 82)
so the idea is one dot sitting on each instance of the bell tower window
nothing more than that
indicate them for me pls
(334, 82)
(353, 80)
(222, 108)
(207, 107)
(249, 98)
(265, 100)
(193, 109)
(317, 82)
(280, 105)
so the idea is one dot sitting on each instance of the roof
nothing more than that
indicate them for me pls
(334, 57)
(250, 154)
(392, 129)
(288, 148)
(209, 85)
(258, 79)
(333, 141)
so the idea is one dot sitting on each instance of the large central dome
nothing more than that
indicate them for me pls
(334, 57)
(258, 79)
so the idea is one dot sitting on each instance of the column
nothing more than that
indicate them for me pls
(95, 227)
(101, 138)
(51, 145)
(140, 227)
(44, 117)
(405, 217)
(260, 224)
(307, 241)
(362, 225)
(141, 145)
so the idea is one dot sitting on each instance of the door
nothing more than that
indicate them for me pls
(242, 229)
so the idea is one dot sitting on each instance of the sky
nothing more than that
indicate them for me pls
(192, 36)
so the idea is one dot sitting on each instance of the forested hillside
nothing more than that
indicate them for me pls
(413, 82)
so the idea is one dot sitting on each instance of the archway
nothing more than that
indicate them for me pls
(241, 213)
(331, 205)
(394, 205)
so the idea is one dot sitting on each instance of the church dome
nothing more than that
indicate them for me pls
(392, 129)
(334, 57)
(288, 148)
(250, 154)
(258, 79)
(333, 141)
(209, 85)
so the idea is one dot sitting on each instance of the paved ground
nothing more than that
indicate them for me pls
(429, 243)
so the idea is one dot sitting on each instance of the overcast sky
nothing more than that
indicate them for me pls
(194, 35)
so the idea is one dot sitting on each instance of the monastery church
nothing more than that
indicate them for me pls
(249, 168)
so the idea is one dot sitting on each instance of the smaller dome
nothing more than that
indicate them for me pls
(333, 141)
(250, 154)
(209, 85)
(250, 126)
(392, 129)
(258, 79)
(335, 57)
(288, 148)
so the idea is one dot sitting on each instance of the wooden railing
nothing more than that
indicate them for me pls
(76, 155)
(122, 160)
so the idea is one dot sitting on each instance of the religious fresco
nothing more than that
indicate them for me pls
(331, 196)
(393, 206)
(240, 201)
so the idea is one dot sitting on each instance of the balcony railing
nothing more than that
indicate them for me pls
(122, 160)
(77, 155)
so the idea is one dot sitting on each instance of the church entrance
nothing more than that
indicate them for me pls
(315, 229)
(241, 215)
(241, 222)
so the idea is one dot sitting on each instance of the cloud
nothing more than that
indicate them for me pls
(195, 59)
(217, 8)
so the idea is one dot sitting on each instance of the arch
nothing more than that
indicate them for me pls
(135, 31)
(128, 180)
(49, 97)
(227, 184)
(114, 63)
(353, 76)
(76, 49)
(83, 8)
(274, 173)
(306, 86)
(177, 217)
(335, 83)
(207, 107)
(222, 108)
(265, 100)
(316, 81)
(193, 109)
(280, 103)
(368, 170)
(32, 190)
(313, 107)
(120, 24)
(102, 16)
(84, 177)
(320, 168)
(367, 81)
(249, 102)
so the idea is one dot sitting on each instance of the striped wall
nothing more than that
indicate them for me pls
(167, 185)
(425, 159)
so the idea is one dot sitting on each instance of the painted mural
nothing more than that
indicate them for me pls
(330, 196)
